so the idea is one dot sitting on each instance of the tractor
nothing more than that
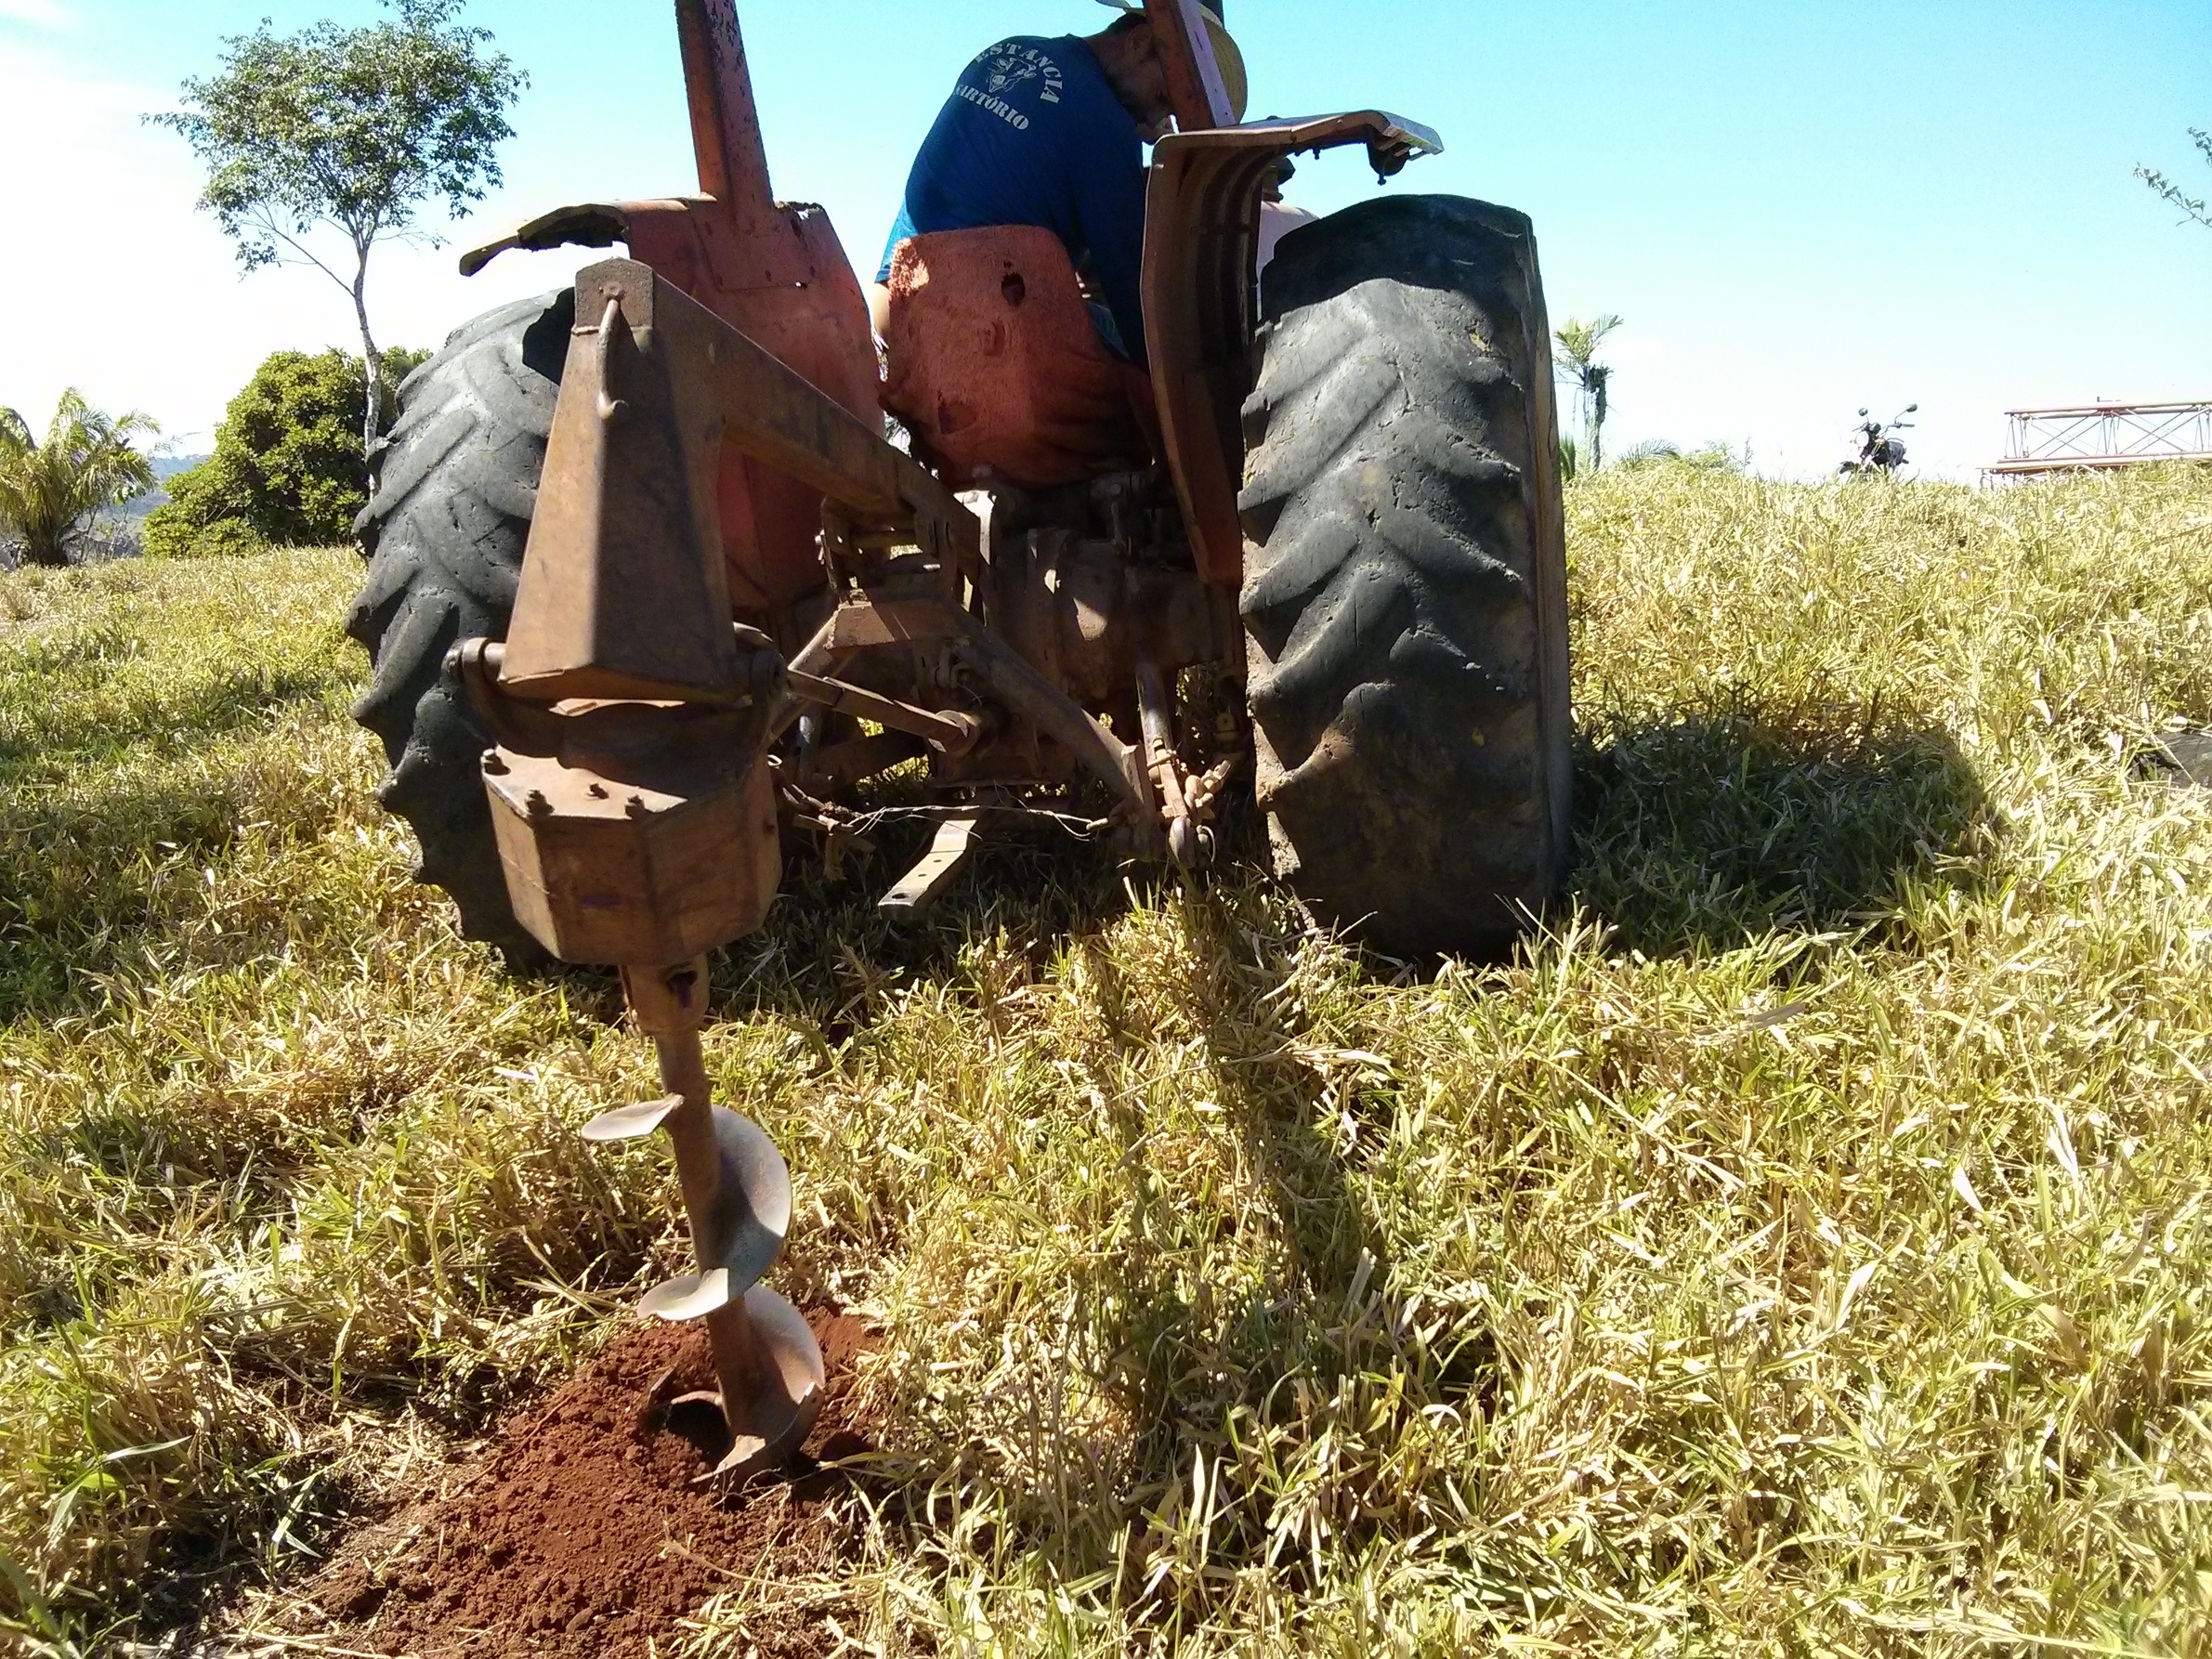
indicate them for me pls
(656, 589)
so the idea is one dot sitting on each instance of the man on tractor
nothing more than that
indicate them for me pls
(1050, 133)
(1046, 134)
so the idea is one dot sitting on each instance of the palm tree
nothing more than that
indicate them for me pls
(50, 492)
(1578, 344)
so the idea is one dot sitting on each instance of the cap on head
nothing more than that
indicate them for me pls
(1227, 56)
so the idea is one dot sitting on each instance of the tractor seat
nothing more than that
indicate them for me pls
(996, 368)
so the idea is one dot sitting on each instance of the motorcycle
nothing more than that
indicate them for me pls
(1880, 455)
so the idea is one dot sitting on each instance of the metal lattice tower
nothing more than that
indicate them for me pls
(2103, 436)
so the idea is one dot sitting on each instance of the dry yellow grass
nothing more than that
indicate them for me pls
(1801, 1247)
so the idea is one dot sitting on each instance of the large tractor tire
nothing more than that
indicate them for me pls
(1405, 594)
(453, 490)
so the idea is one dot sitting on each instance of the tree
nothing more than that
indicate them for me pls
(351, 131)
(288, 468)
(50, 492)
(1578, 344)
(2192, 206)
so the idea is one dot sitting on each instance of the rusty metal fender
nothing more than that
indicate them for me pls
(1200, 294)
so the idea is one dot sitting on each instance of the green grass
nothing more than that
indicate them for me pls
(1801, 1247)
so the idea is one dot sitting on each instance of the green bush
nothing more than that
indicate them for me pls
(288, 470)
(1706, 458)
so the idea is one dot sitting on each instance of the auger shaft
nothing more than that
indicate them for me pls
(737, 1201)
(739, 1367)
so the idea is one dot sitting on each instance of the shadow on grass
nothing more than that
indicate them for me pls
(80, 882)
(1696, 834)
(94, 821)
(827, 954)
(1693, 833)
(1175, 1350)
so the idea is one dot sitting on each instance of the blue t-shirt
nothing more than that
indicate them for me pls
(1033, 135)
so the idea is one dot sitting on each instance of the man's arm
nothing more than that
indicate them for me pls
(1111, 208)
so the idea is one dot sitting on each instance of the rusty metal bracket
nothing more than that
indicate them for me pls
(866, 620)
(951, 730)
(840, 765)
(776, 415)
(922, 886)
(617, 737)
(655, 389)
(1156, 716)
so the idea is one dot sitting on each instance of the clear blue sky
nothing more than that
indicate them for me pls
(1797, 207)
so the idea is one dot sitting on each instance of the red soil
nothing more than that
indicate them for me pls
(582, 1535)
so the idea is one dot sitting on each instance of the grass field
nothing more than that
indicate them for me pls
(1802, 1248)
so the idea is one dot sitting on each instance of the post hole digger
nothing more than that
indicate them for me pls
(649, 540)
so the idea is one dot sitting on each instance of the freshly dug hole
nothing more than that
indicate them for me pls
(582, 1532)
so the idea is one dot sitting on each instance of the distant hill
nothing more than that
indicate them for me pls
(165, 469)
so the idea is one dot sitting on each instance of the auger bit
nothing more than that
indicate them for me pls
(738, 1197)
(631, 789)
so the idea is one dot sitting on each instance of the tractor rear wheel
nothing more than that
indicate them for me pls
(1405, 593)
(453, 490)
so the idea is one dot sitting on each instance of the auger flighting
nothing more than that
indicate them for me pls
(738, 1197)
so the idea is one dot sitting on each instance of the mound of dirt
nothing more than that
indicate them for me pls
(582, 1533)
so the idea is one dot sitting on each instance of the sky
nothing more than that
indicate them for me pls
(1798, 207)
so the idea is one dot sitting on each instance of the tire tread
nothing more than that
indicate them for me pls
(451, 490)
(1404, 601)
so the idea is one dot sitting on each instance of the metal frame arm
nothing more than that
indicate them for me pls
(624, 591)
(774, 415)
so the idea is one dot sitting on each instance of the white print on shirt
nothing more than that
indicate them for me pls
(999, 107)
(1006, 67)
